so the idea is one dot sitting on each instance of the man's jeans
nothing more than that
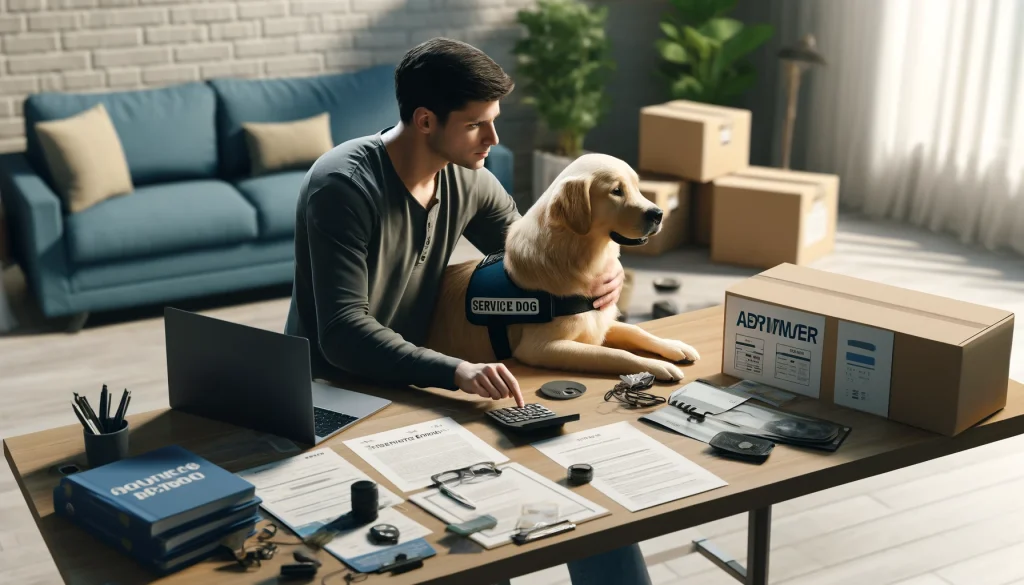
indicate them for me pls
(622, 566)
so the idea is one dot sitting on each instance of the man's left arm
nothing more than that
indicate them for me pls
(495, 211)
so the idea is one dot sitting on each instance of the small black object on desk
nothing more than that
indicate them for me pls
(384, 534)
(580, 473)
(742, 447)
(401, 564)
(364, 502)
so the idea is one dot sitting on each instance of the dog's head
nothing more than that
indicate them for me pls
(600, 195)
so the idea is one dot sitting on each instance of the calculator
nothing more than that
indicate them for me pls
(532, 417)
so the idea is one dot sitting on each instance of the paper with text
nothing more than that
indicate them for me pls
(310, 490)
(410, 455)
(630, 467)
(503, 497)
(355, 542)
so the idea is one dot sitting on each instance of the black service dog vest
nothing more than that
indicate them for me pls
(495, 302)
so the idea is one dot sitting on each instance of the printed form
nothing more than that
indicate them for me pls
(310, 490)
(630, 467)
(503, 497)
(410, 455)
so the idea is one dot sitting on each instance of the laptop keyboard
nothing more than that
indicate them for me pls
(326, 421)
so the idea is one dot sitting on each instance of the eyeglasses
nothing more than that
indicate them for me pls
(477, 471)
(468, 474)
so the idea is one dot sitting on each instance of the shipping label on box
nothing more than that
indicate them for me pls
(775, 345)
(863, 367)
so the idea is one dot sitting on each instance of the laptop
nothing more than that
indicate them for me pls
(254, 378)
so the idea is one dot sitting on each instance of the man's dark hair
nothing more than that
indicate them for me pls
(444, 75)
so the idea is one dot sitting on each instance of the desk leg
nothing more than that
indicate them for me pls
(759, 531)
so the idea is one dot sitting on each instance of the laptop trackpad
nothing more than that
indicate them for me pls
(344, 401)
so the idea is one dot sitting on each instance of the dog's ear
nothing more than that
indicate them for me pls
(571, 205)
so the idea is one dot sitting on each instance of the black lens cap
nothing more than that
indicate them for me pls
(384, 534)
(563, 389)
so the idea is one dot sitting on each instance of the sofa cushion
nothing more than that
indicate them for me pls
(359, 103)
(168, 134)
(274, 196)
(282, 146)
(161, 219)
(85, 158)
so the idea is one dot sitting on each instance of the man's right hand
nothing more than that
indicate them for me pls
(488, 380)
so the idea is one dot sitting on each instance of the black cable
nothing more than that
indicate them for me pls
(630, 391)
(633, 398)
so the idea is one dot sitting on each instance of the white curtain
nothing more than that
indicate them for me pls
(920, 110)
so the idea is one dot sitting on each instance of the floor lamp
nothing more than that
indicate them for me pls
(795, 59)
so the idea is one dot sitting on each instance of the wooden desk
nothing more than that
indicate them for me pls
(875, 446)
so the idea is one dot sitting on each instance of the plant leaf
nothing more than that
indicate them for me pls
(721, 29)
(744, 41)
(670, 30)
(697, 41)
(671, 51)
(687, 87)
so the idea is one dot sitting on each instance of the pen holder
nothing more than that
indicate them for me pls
(107, 447)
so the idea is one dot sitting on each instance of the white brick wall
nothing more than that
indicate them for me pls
(114, 45)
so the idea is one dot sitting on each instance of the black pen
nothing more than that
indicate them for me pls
(104, 407)
(120, 410)
(87, 409)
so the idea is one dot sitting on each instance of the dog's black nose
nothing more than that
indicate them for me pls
(654, 215)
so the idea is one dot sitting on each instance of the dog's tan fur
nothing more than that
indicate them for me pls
(561, 246)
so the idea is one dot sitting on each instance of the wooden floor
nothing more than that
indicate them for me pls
(958, 520)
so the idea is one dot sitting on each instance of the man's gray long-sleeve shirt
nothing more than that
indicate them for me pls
(369, 261)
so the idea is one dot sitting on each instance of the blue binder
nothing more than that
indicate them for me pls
(157, 492)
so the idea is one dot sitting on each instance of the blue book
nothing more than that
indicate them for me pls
(158, 491)
(161, 544)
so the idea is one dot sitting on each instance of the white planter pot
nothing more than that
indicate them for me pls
(546, 168)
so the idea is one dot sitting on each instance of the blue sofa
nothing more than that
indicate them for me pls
(197, 223)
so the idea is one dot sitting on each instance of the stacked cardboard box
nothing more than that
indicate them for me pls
(750, 216)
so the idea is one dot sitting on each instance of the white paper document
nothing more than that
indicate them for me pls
(310, 490)
(503, 497)
(705, 398)
(356, 542)
(630, 467)
(410, 455)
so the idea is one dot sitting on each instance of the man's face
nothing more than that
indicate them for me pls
(468, 135)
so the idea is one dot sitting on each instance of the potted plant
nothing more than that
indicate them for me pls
(563, 62)
(703, 51)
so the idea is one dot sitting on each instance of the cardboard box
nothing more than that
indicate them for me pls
(924, 360)
(673, 197)
(693, 141)
(763, 217)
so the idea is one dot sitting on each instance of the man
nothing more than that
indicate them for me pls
(376, 222)
(378, 218)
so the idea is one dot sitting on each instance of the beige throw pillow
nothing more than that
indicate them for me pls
(85, 157)
(276, 146)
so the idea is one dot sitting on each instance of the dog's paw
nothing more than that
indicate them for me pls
(677, 351)
(665, 371)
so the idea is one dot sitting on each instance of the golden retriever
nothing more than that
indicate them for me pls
(560, 246)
